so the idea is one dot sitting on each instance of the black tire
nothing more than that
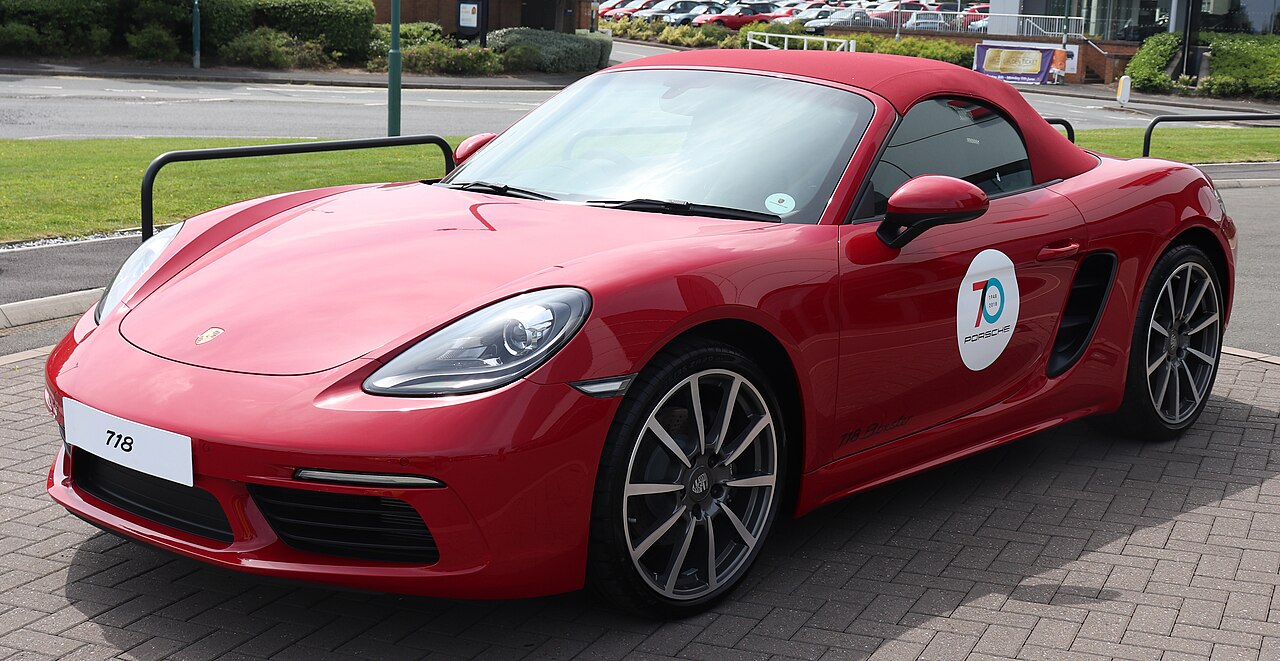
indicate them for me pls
(731, 504)
(1182, 358)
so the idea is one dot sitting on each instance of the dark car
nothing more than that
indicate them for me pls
(849, 16)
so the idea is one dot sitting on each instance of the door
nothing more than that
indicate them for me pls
(962, 316)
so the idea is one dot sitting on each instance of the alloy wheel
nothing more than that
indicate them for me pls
(1182, 343)
(701, 484)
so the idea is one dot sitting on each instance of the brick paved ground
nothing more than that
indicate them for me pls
(1066, 545)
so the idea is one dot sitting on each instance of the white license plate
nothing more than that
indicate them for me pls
(145, 449)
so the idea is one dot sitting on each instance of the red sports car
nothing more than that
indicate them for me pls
(737, 16)
(614, 351)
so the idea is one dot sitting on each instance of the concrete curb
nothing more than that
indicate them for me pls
(1252, 355)
(21, 313)
(1245, 183)
(26, 355)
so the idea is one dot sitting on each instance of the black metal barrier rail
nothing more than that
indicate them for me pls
(149, 178)
(1071, 130)
(1216, 117)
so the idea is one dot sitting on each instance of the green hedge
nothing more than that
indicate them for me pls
(438, 57)
(694, 37)
(1242, 64)
(265, 48)
(1147, 68)
(56, 27)
(553, 52)
(344, 27)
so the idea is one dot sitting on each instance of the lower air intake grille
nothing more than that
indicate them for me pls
(184, 508)
(365, 527)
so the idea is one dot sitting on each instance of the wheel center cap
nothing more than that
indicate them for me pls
(699, 484)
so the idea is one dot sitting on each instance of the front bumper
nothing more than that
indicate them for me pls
(518, 465)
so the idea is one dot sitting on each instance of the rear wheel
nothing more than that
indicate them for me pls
(1176, 346)
(689, 482)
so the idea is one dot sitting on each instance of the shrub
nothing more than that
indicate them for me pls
(153, 43)
(65, 27)
(411, 34)
(266, 48)
(1243, 64)
(1147, 68)
(556, 52)
(19, 39)
(694, 37)
(221, 21)
(771, 28)
(436, 57)
(625, 28)
(521, 57)
(344, 27)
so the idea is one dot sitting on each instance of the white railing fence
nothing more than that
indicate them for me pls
(773, 41)
(1022, 25)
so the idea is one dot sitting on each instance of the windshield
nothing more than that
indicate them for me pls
(702, 9)
(809, 13)
(744, 141)
(843, 13)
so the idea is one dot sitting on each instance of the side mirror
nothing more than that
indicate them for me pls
(928, 201)
(470, 146)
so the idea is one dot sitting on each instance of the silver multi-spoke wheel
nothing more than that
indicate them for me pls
(1182, 343)
(700, 484)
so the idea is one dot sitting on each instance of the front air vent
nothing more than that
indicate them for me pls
(364, 527)
(1084, 308)
(188, 509)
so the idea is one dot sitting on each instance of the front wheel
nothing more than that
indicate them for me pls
(689, 482)
(1177, 343)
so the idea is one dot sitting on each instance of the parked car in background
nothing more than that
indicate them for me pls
(973, 14)
(978, 25)
(895, 13)
(686, 18)
(630, 8)
(609, 5)
(807, 15)
(736, 16)
(665, 7)
(847, 17)
(928, 20)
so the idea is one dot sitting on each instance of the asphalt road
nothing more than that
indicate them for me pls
(53, 107)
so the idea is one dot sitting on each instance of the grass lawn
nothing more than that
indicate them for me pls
(79, 187)
(1189, 145)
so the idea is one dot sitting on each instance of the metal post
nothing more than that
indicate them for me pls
(897, 22)
(393, 73)
(195, 34)
(1066, 20)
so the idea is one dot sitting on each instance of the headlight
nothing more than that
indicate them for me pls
(488, 348)
(133, 268)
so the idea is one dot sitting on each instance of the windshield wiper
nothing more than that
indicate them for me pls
(680, 208)
(501, 189)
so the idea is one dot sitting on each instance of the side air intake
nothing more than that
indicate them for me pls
(1084, 308)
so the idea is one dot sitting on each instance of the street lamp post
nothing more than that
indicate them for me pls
(393, 73)
(195, 34)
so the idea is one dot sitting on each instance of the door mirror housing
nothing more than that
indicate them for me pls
(470, 146)
(928, 201)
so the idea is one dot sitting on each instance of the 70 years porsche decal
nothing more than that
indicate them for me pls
(986, 309)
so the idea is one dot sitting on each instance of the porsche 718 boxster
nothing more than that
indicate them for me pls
(618, 341)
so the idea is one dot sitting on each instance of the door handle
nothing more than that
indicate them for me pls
(1058, 250)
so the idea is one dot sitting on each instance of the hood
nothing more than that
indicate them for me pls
(330, 281)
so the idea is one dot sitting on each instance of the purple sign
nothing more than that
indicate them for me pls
(1013, 64)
